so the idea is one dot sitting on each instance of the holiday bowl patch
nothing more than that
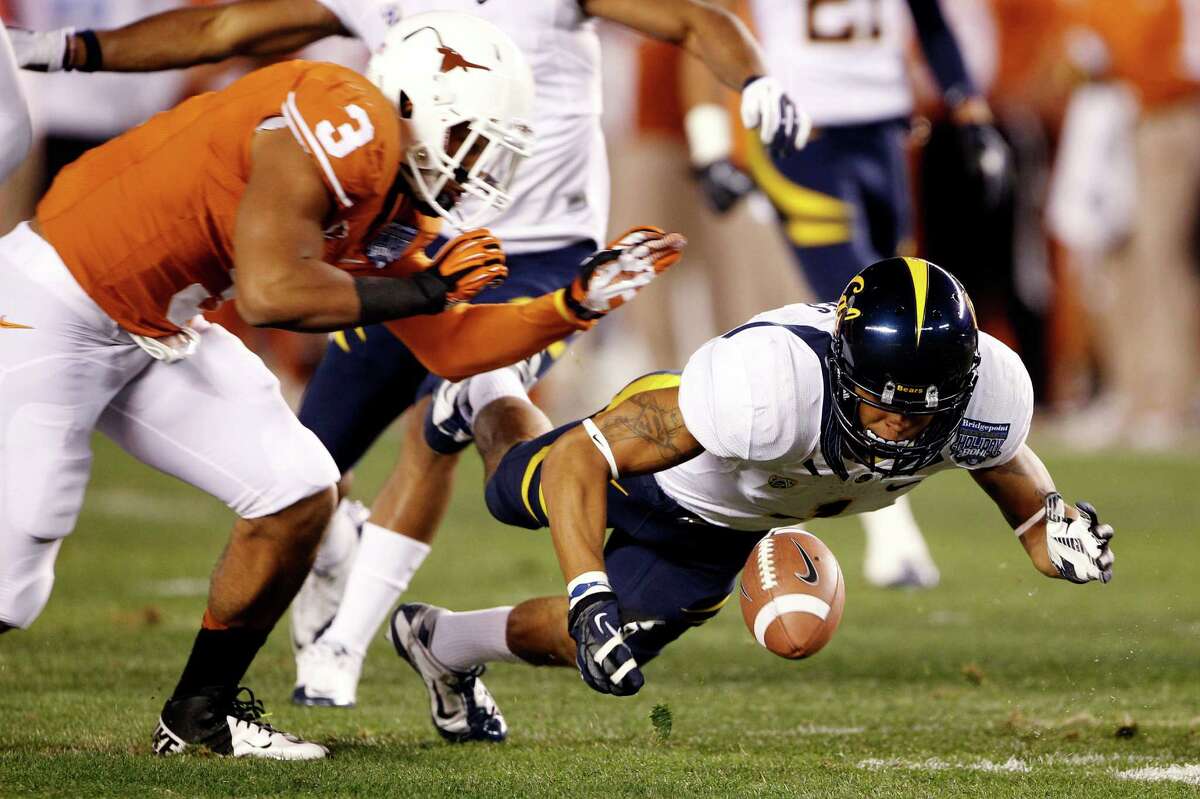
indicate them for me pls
(978, 441)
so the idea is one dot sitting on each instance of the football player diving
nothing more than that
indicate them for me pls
(557, 217)
(844, 201)
(804, 412)
(310, 192)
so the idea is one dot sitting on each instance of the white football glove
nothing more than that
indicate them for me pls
(781, 126)
(40, 51)
(1078, 548)
(611, 277)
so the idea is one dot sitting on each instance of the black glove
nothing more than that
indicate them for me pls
(723, 184)
(605, 661)
(988, 164)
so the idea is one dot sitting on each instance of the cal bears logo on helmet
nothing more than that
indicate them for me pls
(906, 342)
(844, 309)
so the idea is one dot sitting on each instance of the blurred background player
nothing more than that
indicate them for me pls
(1125, 200)
(690, 470)
(15, 132)
(844, 201)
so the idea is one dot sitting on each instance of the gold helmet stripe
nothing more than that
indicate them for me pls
(918, 268)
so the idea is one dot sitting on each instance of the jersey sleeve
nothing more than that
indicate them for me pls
(998, 416)
(754, 395)
(466, 340)
(348, 129)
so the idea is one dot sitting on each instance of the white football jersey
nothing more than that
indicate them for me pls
(560, 194)
(758, 400)
(842, 61)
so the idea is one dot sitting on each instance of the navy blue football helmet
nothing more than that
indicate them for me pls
(907, 342)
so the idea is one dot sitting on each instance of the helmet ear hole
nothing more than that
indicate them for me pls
(405, 105)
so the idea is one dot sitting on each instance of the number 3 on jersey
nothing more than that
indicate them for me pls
(339, 142)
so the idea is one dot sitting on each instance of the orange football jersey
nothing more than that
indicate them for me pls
(145, 222)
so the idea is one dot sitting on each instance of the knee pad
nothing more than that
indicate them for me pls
(26, 577)
(45, 461)
(299, 465)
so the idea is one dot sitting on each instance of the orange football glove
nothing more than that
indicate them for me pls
(468, 264)
(611, 277)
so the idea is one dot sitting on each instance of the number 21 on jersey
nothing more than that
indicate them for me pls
(835, 21)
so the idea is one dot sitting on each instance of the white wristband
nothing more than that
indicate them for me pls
(708, 133)
(585, 585)
(1029, 523)
(602, 444)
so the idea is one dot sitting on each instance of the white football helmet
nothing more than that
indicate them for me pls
(464, 93)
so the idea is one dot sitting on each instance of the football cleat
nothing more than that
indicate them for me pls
(450, 416)
(228, 726)
(326, 675)
(317, 602)
(461, 706)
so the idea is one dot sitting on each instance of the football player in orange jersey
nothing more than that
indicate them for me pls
(288, 186)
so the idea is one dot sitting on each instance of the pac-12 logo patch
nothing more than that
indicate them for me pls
(978, 441)
(779, 481)
(390, 243)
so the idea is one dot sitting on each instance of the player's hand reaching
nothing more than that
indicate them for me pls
(468, 264)
(723, 184)
(781, 126)
(611, 277)
(1078, 548)
(988, 163)
(605, 661)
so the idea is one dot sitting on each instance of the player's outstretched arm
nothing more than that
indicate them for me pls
(280, 276)
(707, 31)
(1062, 541)
(643, 434)
(722, 42)
(181, 37)
(16, 134)
(985, 153)
(470, 339)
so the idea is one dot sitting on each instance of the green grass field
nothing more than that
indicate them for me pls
(999, 683)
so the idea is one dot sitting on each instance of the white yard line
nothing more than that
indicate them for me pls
(1016, 765)
(1011, 766)
(177, 587)
(1189, 774)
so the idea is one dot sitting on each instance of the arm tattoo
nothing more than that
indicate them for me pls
(999, 483)
(647, 420)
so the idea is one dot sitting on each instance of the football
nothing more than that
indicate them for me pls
(792, 593)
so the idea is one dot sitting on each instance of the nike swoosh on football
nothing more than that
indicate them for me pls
(7, 325)
(812, 576)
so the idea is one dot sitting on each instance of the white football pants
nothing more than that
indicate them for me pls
(215, 420)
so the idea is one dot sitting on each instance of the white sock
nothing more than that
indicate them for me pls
(893, 531)
(488, 387)
(339, 539)
(385, 562)
(463, 640)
